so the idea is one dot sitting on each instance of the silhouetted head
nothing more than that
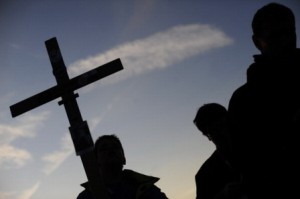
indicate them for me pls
(210, 119)
(274, 30)
(109, 152)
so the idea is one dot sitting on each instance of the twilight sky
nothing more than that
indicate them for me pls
(177, 55)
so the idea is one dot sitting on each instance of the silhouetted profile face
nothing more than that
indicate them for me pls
(211, 120)
(216, 131)
(110, 154)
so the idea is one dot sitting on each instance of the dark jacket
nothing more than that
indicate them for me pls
(264, 120)
(213, 176)
(132, 186)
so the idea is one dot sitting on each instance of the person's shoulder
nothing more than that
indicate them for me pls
(139, 178)
(238, 96)
(208, 164)
(153, 192)
(146, 188)
(215, 156)
(85, 194)
(241, 90)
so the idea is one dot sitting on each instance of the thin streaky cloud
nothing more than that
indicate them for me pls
(54, 159)
(25, 194)
(157, 51)
(7, 195)
(25, 127)
(12, 157)
(28, 193)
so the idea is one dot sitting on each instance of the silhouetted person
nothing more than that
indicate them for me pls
(216, 178)
(264, 110)
(120, 183)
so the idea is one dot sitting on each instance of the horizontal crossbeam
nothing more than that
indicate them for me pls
(72, 85)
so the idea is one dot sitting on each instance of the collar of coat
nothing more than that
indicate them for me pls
(143, 181)
(267, 68)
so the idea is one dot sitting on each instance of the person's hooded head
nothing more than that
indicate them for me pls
(274, 30)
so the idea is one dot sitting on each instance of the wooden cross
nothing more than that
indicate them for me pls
(79, 129)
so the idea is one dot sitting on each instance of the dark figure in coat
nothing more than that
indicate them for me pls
(264, 112)
(217, 178)
(120, 184)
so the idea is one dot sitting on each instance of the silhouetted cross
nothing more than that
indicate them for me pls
(79, 129)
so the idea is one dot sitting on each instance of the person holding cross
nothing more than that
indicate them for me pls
(265, 110)
(120, 183)
(79, 129)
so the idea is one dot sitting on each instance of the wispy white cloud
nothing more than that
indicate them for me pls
(55, 159)
(13, 157)
(28, 193)
(7, 195)
(157, 51)
(26, 127)
(25, 194)
(94, 122)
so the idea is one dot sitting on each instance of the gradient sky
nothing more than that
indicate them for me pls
(177, 55)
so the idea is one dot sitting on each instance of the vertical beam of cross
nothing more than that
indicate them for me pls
(79, 129)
